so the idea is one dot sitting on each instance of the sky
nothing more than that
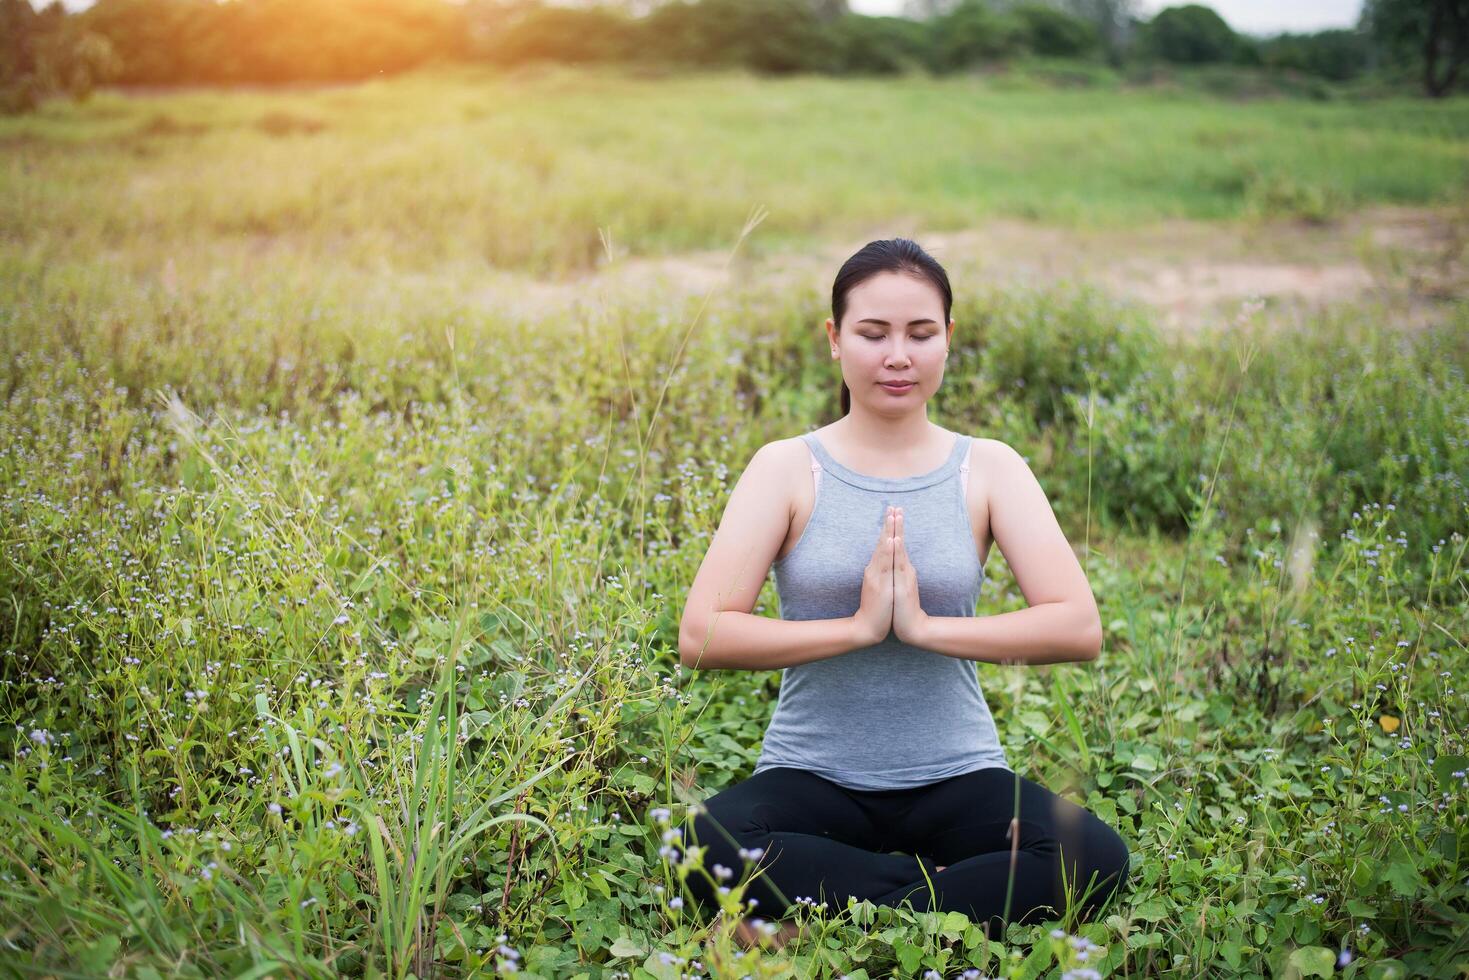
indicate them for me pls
(1246, 16)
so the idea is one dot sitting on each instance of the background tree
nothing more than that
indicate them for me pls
(534, 32)
(880, 45)
(928, 10)
(829, 11)
(1429, 36)
(974, 33)
(767, 35)
(1339, 55)
(1114, 20)
(48, 52)
(1055, 33)
(1190, 35)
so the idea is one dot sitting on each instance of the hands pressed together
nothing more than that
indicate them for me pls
(890, 587)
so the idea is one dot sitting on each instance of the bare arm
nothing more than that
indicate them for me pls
(743, 641)
(718, 629)
(1061, 623)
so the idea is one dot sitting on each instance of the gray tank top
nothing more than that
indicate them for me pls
(890, 715)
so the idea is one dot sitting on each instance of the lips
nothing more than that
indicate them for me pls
(897, 386)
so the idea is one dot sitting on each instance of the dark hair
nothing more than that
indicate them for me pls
(885, 255)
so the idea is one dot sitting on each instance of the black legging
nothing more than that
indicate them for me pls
(824, 843)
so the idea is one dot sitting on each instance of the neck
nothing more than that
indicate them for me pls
(886, 435)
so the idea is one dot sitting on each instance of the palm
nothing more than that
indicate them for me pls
(908, 614)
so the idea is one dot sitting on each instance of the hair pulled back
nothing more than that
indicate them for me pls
(885, 255)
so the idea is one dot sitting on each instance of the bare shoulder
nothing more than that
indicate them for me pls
(778, 453)
(993, 454)
(773, 466)
(786, 459)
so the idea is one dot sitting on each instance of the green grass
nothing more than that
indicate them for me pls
(340, 611)
(520, 170)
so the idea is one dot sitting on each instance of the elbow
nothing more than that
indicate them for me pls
(691, 643)
(1091, 646)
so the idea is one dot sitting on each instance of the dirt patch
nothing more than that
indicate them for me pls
(1413, 261)
(1198, 274)
(288, 124)
(162, 124)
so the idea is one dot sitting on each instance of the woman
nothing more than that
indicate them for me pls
(881, 776)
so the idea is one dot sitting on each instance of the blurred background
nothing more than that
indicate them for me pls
(1378, 45)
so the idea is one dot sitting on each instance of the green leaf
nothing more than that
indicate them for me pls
(1035, 964)
(1313, 961)
(909, 955)
(1444, 768)
(954, 925)
(1403, 877)
(1150, 910)
(574, 893)
(1387, 970)
(624, 946)
(100, 956)
(602, 882)
(657, 968)
(1034, 721)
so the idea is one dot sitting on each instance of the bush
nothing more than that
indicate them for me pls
(972, 34)
(1148, 464)
(1042, 349)
(1054, 33)
(878, 45)
(1338, 55)
(1190, 35)
(765, 35)
(565, 34)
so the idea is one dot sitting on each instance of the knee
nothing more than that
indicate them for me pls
(1108, 869)
(702, 835)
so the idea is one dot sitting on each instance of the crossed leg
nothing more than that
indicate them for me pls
(965, 822)
(821, 842)
(817, 843)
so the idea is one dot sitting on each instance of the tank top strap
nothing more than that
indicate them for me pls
(964, 473)
(815, 464)
(956, 463)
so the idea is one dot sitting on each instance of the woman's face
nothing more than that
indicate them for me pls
(893, 330)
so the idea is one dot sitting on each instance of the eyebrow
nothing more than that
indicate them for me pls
(911, 323)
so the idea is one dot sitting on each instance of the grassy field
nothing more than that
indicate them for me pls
(340, 632)
(521, 170)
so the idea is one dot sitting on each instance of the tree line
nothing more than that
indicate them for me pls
(183, 42)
